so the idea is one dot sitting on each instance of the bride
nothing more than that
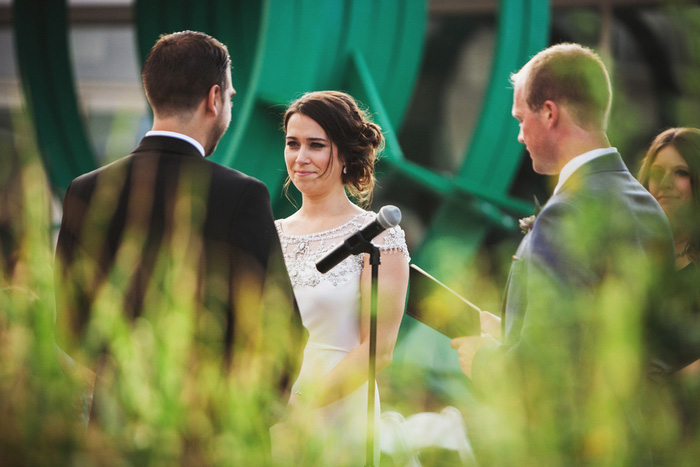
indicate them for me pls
(330, 152)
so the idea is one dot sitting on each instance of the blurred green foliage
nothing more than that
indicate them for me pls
(164, 398)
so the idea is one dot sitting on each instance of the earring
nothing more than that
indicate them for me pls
(345, 170)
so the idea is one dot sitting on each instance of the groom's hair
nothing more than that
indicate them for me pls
(570, 75)
(180, 70)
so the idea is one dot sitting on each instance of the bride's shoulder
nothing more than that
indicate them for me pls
(287, 222)
(365, 215)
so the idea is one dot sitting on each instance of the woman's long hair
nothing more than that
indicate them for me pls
(687, 142)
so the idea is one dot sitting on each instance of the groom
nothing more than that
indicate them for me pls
(600, 226)
(164, 228)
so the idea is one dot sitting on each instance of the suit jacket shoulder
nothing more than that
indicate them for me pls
(598, 217)
(141, 196)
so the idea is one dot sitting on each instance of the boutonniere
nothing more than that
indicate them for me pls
(526, 223)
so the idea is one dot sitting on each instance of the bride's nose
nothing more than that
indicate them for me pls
(303, 156)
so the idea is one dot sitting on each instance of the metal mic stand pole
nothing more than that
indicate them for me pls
(356, 245)
(375, 261)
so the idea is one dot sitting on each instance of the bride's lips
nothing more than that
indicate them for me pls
(301, 173)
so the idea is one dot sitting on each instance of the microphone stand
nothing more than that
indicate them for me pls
(356, 245)
(375, 261)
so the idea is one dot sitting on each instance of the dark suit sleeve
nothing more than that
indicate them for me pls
(282, 335)
(72, 300)
(67, 235)
(253, 224)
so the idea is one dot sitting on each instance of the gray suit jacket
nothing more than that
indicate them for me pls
(601, 224)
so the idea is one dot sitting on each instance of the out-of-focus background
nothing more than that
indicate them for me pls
(433, 73)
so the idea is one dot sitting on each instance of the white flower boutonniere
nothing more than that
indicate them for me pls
(526, 223)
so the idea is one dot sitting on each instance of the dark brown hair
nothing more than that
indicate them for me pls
(571, 74)
(180, 70)
(687, 142)
(358, 140)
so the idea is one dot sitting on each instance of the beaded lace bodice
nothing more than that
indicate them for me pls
(301, 252)
(330, 309)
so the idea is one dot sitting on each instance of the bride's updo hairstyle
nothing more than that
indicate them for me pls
(358, 140)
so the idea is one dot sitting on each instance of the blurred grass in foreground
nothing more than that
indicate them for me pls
(165, 399)
(163, 396)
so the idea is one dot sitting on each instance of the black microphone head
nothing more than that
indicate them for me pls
(389, 216)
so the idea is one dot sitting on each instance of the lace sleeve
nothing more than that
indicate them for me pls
(393, 241)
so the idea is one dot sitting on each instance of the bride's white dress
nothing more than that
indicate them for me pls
(330, 310)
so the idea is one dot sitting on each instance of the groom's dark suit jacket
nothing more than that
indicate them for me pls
(165, 224)
(601, 224)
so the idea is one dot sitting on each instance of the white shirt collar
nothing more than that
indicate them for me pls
(174, 134)
(577, 162)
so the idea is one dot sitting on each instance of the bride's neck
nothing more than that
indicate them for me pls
(319, 214)
(330, 206)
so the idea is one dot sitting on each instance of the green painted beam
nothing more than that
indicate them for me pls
(493, 156)
(523, 31)
(281, 48)
(372, 50)
(41, 41)
(306, 45)
(362, 85)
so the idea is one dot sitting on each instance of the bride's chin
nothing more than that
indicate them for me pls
(303, 183)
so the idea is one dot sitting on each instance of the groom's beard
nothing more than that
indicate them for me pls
(217, 132)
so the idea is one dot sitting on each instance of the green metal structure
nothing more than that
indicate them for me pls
(479, 190)
(41, 37)
(282, 48)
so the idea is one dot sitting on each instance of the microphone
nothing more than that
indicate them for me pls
(387, 217)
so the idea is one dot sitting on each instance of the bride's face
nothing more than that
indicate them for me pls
(311, 158)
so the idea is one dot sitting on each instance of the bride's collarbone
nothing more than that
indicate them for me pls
(304, 225)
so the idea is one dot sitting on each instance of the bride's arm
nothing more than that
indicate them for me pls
(351, 372)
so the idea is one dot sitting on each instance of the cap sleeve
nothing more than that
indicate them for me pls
(393, 240)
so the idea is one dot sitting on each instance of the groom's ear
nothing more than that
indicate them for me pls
(550, 111)
(213, 102)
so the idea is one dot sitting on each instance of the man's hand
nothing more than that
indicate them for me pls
(490, 324)
(468, 346)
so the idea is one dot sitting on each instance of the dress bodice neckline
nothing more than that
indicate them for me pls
(301, 252)
(322, 232)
